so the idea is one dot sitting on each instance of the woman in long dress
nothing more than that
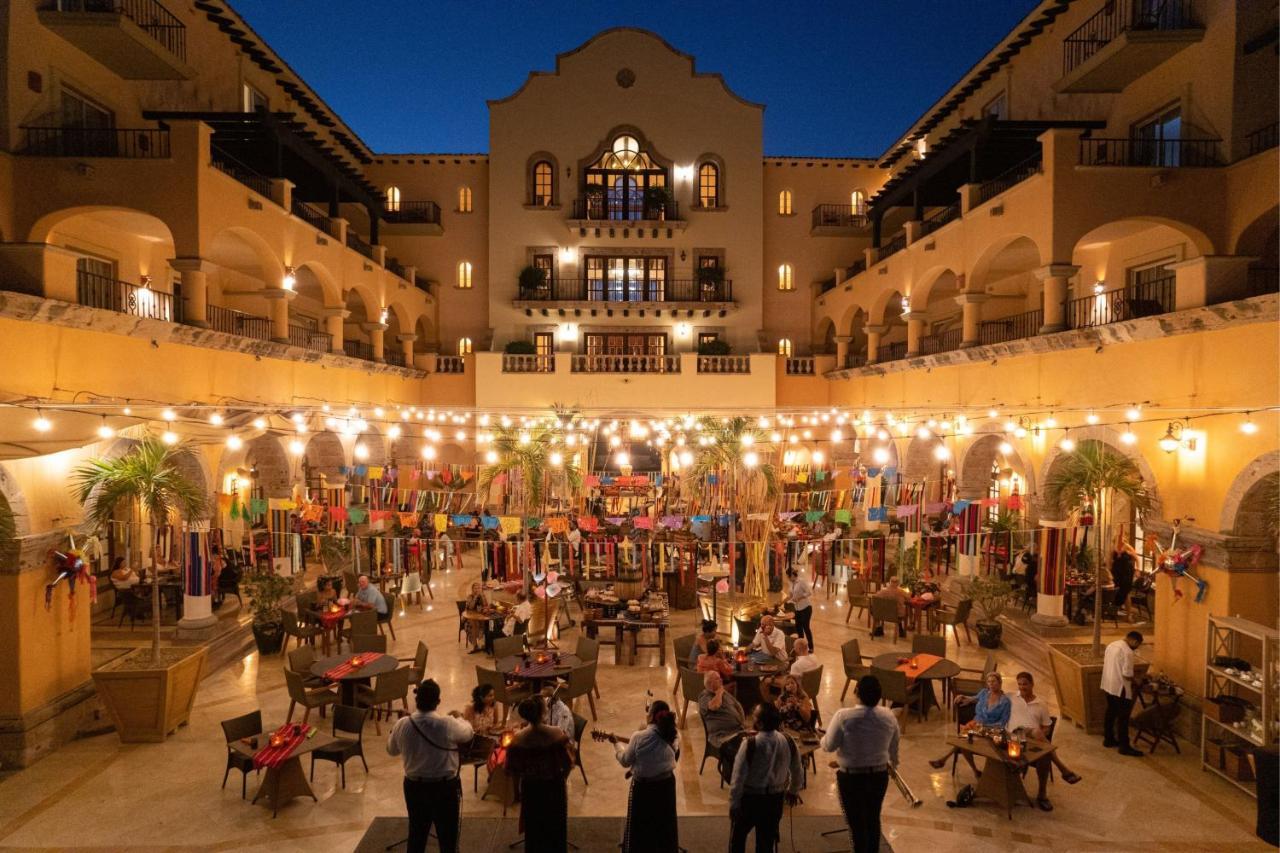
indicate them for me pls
(651, 756)
(541, 757)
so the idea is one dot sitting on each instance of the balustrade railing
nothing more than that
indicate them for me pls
(450, 364)
(528, 363)
(941, 342)
(1009, 178)
(304, 336)
(1142, 299)
(1262, 139)
(98, 291)
(394, 356)
(358, 349)
(624, 363)
(233, 168)
(152, 18)
(234, 322)
(1161, 153)
(939, 219)
(608, 290)
(897, 244)
(311, 215)
(892, 352)
(605, 209)
(147, 143)
(839, 215)
(724, 364)
(1120, 16)
(1012, 328)
(354, 242)
(800, 365)
(854, 268)
(421, 212)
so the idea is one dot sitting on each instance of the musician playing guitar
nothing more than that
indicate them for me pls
(650, 757)
(865, 741)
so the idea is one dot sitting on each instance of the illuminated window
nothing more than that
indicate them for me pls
(464, 346)
(708, 185)
(784, 203)
(786, 279)
(543, 183)
(859, 201)
(252, 100)
(922, 148)
(464, 199)
(784, 347)
(464, 274)
(393, 199)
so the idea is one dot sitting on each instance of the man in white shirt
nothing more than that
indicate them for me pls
(805, 660)
(865, 740)
(801, 597)
(769, 644)
(519, 615)
(1029, 714)
(1117, 684)
(766, 773)
(558, 713)
(369, 597)
(428, 743)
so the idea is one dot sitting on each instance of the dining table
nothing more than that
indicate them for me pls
(626, 636)
(927, 669)
(284, 779)
(748, 676)
(350, 678)
(1001, 778)
(529, 668)
(331, 621)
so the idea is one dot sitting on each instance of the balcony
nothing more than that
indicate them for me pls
(1143, 299)
(312, 216)
(1150, 153)
(136, 39)
(724, 364)
(939, 219)
(622, 363)
(595, 293)
(394, 357)
(124, 143)
(232, 322)
(892, 352)
(1012, 328)
(837, 220)
(940, 342)
(1263, 139)
(96, 291)
(1010, 178)
(233, 168)
(521, 363)
(317, 341)
(897, 244)
(412, 219)
(800, 365)
(359, 245)
(597, 211)
(1123, 41)
(359, 349)
(451, 364)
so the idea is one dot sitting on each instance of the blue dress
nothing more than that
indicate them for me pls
(986, 715)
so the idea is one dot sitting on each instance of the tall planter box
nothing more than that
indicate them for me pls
(1078, 679)
(147, 702)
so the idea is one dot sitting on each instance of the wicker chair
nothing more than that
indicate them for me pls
(681, 646)
(857, 592)
(349, 721)
(387, 689)
(691, 686)
(971, 686)
(393, 604)
(418, 671)
(897, 691)
(855, 665)
(294, 628)
(247, 725)
(364, 643)
(505, 647)
(582, 682)
(885, 612)
(308, 699)
(955, 619)
(300, 661)
(362, 622)
(928, 645)
(588, 651)
(709, 751)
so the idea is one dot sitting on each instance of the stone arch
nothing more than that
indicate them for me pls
(274, 472)
(919, 461)
(1198, 240)
(1010, 254)
(975, 467)
(1111, 438)
(320, 282)
(374, 443)
(825, 339)
(452, 453)
(12, 499)
(886, 308)
(363, 303)
(426, 332)
(245, 253)
(941, 279)
(1240, 505)
(118, 243)
(126, 218)
(326, 457)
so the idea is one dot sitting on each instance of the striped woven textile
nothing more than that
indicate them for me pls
(197, 565)
(1052, 578)
(970, 523)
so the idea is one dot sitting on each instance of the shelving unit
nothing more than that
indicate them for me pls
(1260, 646)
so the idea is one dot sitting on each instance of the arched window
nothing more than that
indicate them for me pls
(393, 199)
(464, 199)
(859, 201)
(786, 278)
(784, 203)
(708, 185)
(544, 177)
(464, 274)
(784, 347)
(464, 346)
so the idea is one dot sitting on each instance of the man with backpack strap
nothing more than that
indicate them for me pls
(766, 773)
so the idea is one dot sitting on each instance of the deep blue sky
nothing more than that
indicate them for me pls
(844, 77)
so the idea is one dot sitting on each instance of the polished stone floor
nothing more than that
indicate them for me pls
(97, 794)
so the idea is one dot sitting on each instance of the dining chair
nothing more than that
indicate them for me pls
(855, 664)
(246, 725)
(507, 696)
(293, 628)
(462, 620)
(387, 689)
(308, 699)
(582, 682)
(746, 629)
(351, 582)
(964, 714)
(927, 644)
(971, 686)
(955, 619)
(588, 650)
(811, 682)
(682, 647)
(346, 721)
(709, 751)
(418, 670)
(856, 589)
(301, 660)
(476, 755)
(896, 691)
(507, 646)
(361, 622)
(387, 619)
(365, 643)
(691, 686)
(136, 607)
(884, 611)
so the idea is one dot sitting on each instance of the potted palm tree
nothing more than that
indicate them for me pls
(1095, 475)
(147, 693)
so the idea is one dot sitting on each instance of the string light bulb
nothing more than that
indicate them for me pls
(41, 423)
(215, 419)
(1067, 444)
(428, 452)
(1248, 427)
(1091, 418)
(169, 415)
(818, 457)
(259, 423)
(1005, 448)
(880, 455)
(1128, 436)
(297, 448)
(234, 442)
(556, 459)
(105, 431)
(361, 450)
(942, 453)
(750, 459)
(169, 437)
(491, 457)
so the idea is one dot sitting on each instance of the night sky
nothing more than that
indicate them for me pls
(837, 78)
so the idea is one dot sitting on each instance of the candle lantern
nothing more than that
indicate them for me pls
(276, 740)
(742, 658)
(1015, 749)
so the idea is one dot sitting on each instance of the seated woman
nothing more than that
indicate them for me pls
(991, 710)
(482, 711)
(476, 602)
(701, 641)
(714, 661)
(325, 593)
(796, 706)
(122, 577)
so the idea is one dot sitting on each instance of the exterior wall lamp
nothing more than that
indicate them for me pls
(290, 278)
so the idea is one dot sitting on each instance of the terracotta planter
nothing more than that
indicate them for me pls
(989, 634)
(146, 703)
(1078, 679)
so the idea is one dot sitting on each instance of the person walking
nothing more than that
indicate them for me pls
(541, 757)
(766, 775)
(650, 757)
(801, 597)
(428, 745)
(1117, 684)
(1124, 563)
(865, 740)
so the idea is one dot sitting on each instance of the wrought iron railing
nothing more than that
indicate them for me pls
(1120, 16)
(396, 267)
(607, 290)
(234, 322)
(233, 168)
(354, 242)
(892, 352)
(855, 359)
(99, 291)
(839, 215)
(1143, 299)
(394, 356)
(358, 349)
(939, 219)
(422, 212)
(451, 364)
(724, 364)
(1162, 153)
(854, 268)
(897, 244)
(152, 18)
(424, 285)
(1262, 139)
(1012, 328)
(1009, 178)
(941, 342)
(603, 208)
(147, 143)
(623, 363)
(528, 363)
(827, 286)
(301, 335)
(800, 365)
(311, 215)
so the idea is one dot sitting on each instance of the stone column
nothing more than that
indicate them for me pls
(1055, 278)
(1052, 576)
(333, 318)
(873, 341)
(406, 341)
(842, 350)
(971, 306)
(197, 607)
(915, 329)
(280, 299)
(376, 331)
(195, 289)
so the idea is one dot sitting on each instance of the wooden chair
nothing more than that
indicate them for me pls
(856, 664)
(929, 645)
(811, 683)
(293, 628)
(364, 643)
(955, 619)
(348, 721)
(588, 651)
(971, 686)
(387, 689)
(462, 621)
(691, 686)
(300, 661)
(246, 725)
(507, 697)
(507, 646)
(582, 682)
(856, 589)
(308, 699)
(894, 687)
(884, 611)
(418, 671)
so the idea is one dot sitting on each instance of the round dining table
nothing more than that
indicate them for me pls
(525, 668)
(747, 678)
(347, 683)
(941, 670)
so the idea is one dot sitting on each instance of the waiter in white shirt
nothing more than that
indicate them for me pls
(865, 741)
(769, 644)
(650, 757)
(1117, 684)
(801, 597)
(766, 774)
(428, 744)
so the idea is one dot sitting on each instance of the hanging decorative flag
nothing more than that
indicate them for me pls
(440, 522)
(701, 519)
(532, 522)
(843, 516)
(591, 481)
(588, 523)
(935, 506)
(258, 506)
(358, 515)
(460, 520)
(813, 515)
(959, 506)
(510, 524)
(672, 521)
(558, 524)
(877, 513)
(490, 522)
(904, 510)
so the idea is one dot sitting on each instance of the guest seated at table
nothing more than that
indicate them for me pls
(796, 706)
(559, 714)
(715, 661)
(482, 711)
(1029, 715)
(476, 634)
(805, 660)
(893, 589)
(769, 644)
(722, 717)
(325, 593)
(517, 621)
(701, 641)
(122, 577)
(991, 710)
(368, 597)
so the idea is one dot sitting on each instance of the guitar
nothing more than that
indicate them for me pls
(599, 735)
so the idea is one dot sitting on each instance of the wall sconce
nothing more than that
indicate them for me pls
(684, 173)
(1173, 439)
(906, 305)
(1099, 287)
(290, 278)
(568, 255)
(382, 317)
(683, 254)
(146, 282)
(682, 330)
(567, 331)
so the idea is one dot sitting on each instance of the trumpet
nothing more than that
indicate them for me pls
(904, 789)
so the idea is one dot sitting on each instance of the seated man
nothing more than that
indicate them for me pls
(805, 660)
(369, 596)
(722, 718)
(769, 644)
(519, 616)
(1030, 715)
(893, 589)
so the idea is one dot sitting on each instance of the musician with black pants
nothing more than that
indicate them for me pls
(766, 774)
(865, 741)
(428, 744)
(650, 757)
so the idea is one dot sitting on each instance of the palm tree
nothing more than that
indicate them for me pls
(1096, 474)
(151, 476)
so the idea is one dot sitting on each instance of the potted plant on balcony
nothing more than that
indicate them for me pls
(520, 347)
(148, 694)
(990, 596)
(656, 200)
(533, 283)
(710, 283)
(715, 346)
(267, 590)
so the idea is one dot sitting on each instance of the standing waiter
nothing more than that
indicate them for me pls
(650, 756)
(428, 743)
(865, 741)
(801, 597)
